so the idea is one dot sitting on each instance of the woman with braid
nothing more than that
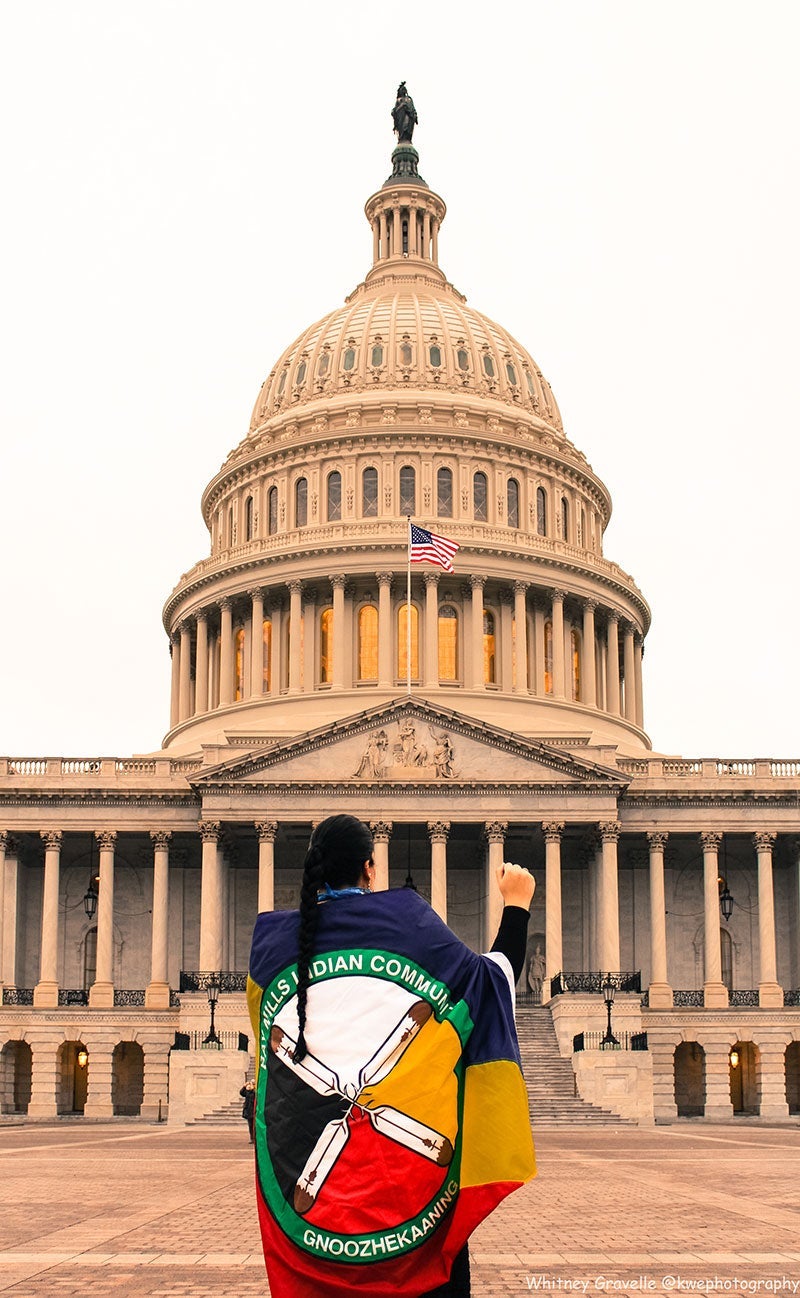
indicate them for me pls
(391, 1114)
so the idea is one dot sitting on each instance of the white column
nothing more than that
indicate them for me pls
(476, 585)
(559, 677)
(211, 899)
(338, 583)
(660, 991)
(185, 701)
(521, 637)
(157, 991)
(257, 643)
(637, 665)
(495, 831)
(295, 615)
(630, 673)
(225, 652)
(715, 993)
(612, 665)
(381, 833)
(8, 969)
(554, 959)
(430, 648)
(609, 898)
(385, 636)
(101, 993)
(266, 830)
(309, 674)
(175, 694)
(201, 665)
(770, 993)
(45, 993)
(589, 663)
(439, 831)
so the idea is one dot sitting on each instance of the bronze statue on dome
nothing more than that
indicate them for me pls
(404, 115)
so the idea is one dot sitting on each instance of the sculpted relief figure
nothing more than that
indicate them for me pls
(443, 755)
(404, 115)
(373, 763)
(407, 751)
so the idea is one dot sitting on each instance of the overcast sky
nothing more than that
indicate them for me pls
(183, 193)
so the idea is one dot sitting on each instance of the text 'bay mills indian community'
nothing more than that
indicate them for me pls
(405, 614)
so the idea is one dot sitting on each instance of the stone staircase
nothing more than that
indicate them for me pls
(227, 1115)
(550, 1079)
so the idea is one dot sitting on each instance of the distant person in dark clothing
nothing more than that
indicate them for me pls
(248, 1094)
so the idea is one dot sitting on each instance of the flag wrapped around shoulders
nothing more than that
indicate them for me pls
(406, 1122)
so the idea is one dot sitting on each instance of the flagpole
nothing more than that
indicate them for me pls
(408, 609)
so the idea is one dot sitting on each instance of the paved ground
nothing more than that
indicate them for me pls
(124, 1211)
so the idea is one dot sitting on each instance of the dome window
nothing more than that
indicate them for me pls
(479, 497)
(326, 646)
(334, 497)
(369, 493)
(377, 355)
(448, 643)
(300, 375)
(435, 356)
(406, 354)
(488, 365)
(512, 374)
(322, 365)
(301, 502)
(272, 511)
(349, 359)
(489, 648)
(248, 519)
(368, 643)
(512, 502)
(444, 493)
(408, 490)
(541, 512)
(564, 518)
(529, 381)
(282, 383)
(462, 356)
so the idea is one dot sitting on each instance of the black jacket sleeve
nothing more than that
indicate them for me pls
(512, 937)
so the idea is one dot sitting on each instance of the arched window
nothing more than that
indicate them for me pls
(301, 502)
(444, 493)
(326, 646)
(369, 493)
(489, 647)
(408, 490)
(368, 643)
(726, 953)
(541, 511)
(248, 519)
(575, 648)
(266, 668)
(272, 511)
(402, 642)
(448, 643)
(512, 503)
(479, 497)
(231, 527)
(565, 518)
(548, 657)
(238, 665)
(89, 958)
(334, 496)
(582, 526)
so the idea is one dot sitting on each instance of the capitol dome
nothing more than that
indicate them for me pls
(406, 404)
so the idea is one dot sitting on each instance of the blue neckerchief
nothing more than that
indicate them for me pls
(330, 892)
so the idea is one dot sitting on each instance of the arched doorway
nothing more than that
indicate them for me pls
(793, 1076)
(690, 1079)
(15, 1077)
(743, 1065)
(127, 1078)
(73, 1073)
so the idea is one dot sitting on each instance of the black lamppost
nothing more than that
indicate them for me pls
(608, 989)
(212, 991)
(725, 899)
(90, 896)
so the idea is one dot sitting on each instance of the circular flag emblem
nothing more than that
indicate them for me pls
(362, 1133)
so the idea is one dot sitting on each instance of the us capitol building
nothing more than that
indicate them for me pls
(130, 884)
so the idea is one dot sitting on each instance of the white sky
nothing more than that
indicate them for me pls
(183, 193)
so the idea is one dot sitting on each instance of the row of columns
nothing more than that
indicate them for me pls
(422, 229)
(603, 875)
(196, 689)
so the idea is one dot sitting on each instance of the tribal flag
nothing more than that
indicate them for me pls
(406, 1122)
(427, 547)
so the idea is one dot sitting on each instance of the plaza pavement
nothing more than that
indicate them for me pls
(123, 1210)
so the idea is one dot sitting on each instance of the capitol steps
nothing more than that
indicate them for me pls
(550, 1079)
(227, 1115)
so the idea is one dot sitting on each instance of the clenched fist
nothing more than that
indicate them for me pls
(516, 885)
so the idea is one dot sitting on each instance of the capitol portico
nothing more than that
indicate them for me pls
(497, 713)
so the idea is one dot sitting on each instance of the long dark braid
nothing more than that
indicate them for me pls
(339, 847)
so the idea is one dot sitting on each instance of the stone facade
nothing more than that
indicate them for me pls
(513, 728)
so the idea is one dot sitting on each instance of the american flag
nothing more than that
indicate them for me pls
(427, 547)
